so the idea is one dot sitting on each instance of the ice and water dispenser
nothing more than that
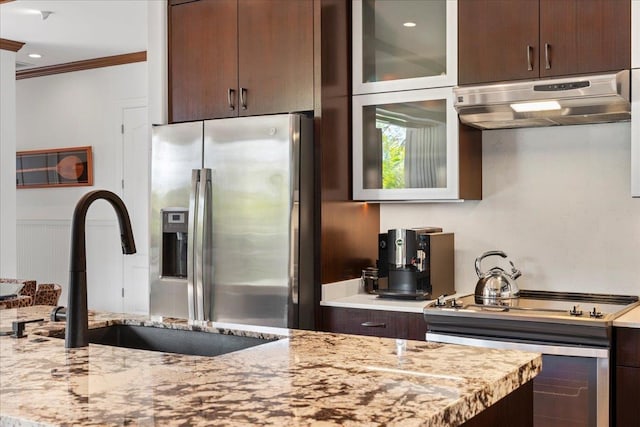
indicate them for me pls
(174, 243)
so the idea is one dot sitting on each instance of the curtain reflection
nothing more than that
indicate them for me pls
(405, 145)
(425, 157)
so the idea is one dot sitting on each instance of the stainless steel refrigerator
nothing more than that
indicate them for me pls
(232, 206)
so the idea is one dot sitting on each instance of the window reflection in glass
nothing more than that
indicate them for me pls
(405, 145)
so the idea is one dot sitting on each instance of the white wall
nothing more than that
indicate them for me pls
(66, 110)
(556, 200)
(8, 257)
(157, 61)
(635, 34)
(635, 132)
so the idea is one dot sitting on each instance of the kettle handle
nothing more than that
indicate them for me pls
(484, 255)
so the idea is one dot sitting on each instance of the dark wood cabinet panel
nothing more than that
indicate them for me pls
(627, 347)
(627, 392)
(203, 63)
(515, 409)
(627, 376)
(388, 324)
(470, 162)
(502, 40)
(240, 57)
(493, 40)
(275, 56)
(348, 230)
(584, 36)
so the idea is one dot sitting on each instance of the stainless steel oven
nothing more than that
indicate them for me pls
(571, 330)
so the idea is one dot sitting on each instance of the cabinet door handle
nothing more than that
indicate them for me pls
(243, 98)
(529, 58)
(547, 56)
(374, 325)
(231, 94)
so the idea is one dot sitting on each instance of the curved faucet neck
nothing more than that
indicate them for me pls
(77, 316)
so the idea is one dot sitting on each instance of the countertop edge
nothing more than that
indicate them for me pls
(630, 319)
(349, 294)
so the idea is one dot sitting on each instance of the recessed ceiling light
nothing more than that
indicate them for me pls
(35, 55)
(409, 24)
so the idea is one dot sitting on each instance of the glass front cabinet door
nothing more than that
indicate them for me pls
(404, 44)
(407, 146)
(404, 145)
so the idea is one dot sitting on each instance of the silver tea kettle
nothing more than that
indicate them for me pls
(496, 284)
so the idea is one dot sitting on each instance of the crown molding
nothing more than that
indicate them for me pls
(12, 45)
(88, 64)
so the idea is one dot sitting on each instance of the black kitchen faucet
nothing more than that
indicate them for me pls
(77, 317)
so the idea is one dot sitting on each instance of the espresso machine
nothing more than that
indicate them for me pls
(416, 263)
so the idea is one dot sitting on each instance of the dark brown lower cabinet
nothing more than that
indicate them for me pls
(627, 377)
(377, 323)
(627, 395)
(515, 409)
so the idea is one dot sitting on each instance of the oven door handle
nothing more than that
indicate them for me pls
(494, 309)
(559, 350)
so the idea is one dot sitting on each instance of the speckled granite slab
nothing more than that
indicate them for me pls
(307, 378)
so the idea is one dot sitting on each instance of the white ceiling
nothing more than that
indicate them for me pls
(76, 30)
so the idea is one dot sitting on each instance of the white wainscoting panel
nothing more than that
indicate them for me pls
(136, 284)
(43, 255)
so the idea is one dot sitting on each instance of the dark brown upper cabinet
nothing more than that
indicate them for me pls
(500, 40)
(232, 58)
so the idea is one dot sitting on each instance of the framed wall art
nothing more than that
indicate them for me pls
(56, 167)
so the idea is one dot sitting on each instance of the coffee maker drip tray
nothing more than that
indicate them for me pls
(394, 294)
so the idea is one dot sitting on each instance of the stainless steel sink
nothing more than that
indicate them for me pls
(178, 341)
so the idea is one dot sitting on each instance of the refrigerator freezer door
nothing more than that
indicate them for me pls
(175, 151)
(253, 164)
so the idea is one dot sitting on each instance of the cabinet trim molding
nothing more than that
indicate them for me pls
(12, 45)
(106, 61)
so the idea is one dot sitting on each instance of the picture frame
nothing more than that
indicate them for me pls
(54, 167)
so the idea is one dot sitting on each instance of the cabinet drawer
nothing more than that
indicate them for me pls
(627, 347)
(389, 324)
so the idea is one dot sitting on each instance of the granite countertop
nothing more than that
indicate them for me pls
(630, 319)
(303, 378)
(349, 294)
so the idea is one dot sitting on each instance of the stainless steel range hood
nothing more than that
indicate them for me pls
(551, 102)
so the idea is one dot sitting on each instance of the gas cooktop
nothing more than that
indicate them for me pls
(537, 304)
(576, 317)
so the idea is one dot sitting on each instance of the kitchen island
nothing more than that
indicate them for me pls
(303, 378)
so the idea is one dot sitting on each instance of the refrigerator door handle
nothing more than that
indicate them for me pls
(203, 220)
(191, 243)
